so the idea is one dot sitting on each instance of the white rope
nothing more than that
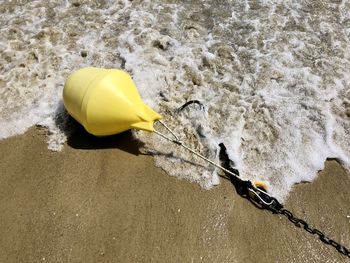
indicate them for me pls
(258, 196)
(180, 143)
(166, 127)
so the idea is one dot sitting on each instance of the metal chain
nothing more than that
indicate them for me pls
(277, 208)
(314, 231)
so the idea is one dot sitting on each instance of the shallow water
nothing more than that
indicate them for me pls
(273, 77)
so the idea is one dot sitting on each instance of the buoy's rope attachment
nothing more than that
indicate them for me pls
(166, 127)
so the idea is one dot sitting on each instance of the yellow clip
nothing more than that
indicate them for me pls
(260, 185)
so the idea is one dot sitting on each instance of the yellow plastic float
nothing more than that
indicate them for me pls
(106, 102)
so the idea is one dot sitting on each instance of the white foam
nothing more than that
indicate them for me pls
(275, 121)
(273, 77)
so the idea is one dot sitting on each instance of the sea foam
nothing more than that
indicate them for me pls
(273, 77)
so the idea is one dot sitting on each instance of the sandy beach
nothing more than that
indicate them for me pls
(268, 79)
(101, 200)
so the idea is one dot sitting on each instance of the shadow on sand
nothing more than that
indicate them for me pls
(79, 138)
(123, 141)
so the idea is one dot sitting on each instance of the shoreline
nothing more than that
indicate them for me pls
(102, 200)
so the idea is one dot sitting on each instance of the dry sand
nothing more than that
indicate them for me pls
(100, 200)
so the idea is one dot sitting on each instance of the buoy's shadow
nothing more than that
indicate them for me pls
(79, 138)
(123, 141)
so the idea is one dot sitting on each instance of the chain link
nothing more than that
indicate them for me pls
(277, 208)
(301, 223)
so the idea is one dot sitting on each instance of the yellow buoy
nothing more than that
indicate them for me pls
(106, 102)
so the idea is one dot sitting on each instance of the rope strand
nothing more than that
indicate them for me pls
(194, 152)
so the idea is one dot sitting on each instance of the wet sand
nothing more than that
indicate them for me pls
(103, 201)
